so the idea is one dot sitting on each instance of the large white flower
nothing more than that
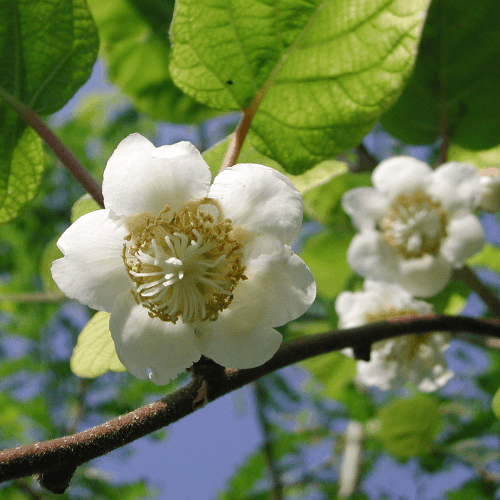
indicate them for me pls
(410, 358)
(416, 224)
(186, 268)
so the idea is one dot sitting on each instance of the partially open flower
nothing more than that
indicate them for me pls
(410, 358)
(416, 224)
(186, 268)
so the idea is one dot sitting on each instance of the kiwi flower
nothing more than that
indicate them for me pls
(409, 358)
(416, 225)
(184, 267)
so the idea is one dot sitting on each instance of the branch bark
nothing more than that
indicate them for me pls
(55, 461)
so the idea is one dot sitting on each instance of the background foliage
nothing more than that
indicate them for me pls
(321, 77)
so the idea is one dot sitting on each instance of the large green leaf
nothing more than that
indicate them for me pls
(454, 85)
(135, 45)
(47, 51)
(325, 69)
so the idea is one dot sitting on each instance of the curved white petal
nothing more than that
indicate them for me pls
(401, 175)
(92, 269)
(283, 285)
(465, 237)
(139, 177)
(236, 342)
(365, 206)
(456, 185)
(426, 276)
(260, 199)
(144, 343)
(370, 256)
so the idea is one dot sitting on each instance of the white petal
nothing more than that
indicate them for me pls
(456, 185)
(283, 285)
(144, 343)
(237, 342)
(370, 256)
(365, 206)
(260, 199)
(465, 237)
(400, 175)
(92, 269)
(426, 276)
(139, 177)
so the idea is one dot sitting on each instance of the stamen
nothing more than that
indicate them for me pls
(184, 265)
(415, 225)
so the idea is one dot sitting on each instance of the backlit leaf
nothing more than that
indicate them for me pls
(323, 70)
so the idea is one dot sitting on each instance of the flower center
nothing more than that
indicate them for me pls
(184, 264)
(407, 347)
(414, 225)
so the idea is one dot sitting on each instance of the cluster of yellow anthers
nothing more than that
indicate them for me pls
(184, 264)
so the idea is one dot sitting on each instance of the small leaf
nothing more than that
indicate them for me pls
(408, 426)
(333, 370)
(49, 255)
(322, 71)
(94, 353)
(21, 169)
(479, 158)
(84, 205)
(495, 404)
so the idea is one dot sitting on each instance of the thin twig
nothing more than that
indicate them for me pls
(267, 447)
(241, 131)
(57, 459)
(491, 300)
(54, 143)
(34, 297)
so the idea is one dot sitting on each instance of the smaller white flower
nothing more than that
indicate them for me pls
(490, 189)
(410, 358)
(415, 224)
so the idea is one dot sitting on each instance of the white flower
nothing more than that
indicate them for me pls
(416, 224)
(186, 268)
(490, 189)
(410, 358)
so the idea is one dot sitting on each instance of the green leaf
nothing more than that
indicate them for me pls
(481, 158)
(333, 370)
(408, 426)
(136, 48)
(488, 257)
(49, 255)
(495, 404)
(453, 85)
(323, 71)
(47, 51)
(94, 353)
(84, 205)
(21, 168)
(326, 256)
(313, 178)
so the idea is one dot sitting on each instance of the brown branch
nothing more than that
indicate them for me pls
(56, 460)
(54, 143)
